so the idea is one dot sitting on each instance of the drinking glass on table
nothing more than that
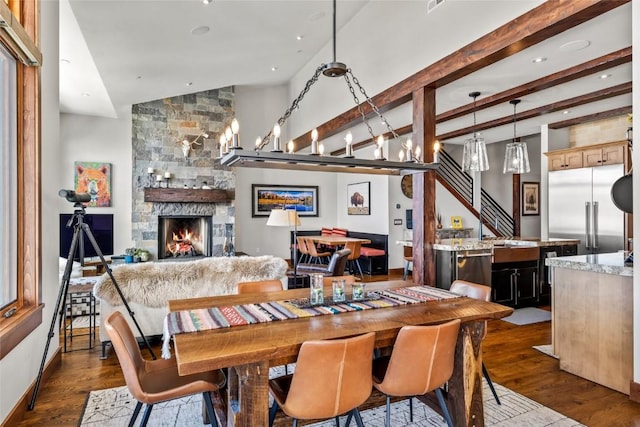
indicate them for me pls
(357, 290)
(316, 295)
(338, 290)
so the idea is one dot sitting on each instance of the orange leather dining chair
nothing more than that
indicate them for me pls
(483, 293)
(260, 286)
(408, 260)
(156, 381)
(314, 255)
(421, 361)
(332, 377)
(354, 256)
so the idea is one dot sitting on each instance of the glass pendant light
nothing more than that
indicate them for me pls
(516, 157)
(474, 153)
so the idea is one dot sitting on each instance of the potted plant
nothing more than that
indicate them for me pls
(142, 254)
(129, 254)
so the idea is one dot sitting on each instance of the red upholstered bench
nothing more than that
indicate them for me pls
(370, 253)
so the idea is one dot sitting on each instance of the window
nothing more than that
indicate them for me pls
(8, 181)
(20, 299)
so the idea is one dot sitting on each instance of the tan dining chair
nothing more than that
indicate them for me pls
(302, 248)
(482, 293)
(408, 260)
(332, 377)
(421, 361)
(156, 381)
(353, 260)
(314, 255)
(260, 286)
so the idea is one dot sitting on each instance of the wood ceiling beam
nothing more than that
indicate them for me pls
(599, 95)
(594, 66)
(547, 20)
(591, 117)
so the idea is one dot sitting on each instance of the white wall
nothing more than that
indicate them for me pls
(25, 358)
(635, 25)
(99, 139)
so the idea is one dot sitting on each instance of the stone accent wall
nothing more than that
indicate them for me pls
(598, 132)
(158, 128)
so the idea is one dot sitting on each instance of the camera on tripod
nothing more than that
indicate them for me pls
(74, 197)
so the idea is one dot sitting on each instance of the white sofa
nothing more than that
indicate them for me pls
(148, 286)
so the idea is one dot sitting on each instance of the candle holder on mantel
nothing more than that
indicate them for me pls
(167, 178)
(150, 172)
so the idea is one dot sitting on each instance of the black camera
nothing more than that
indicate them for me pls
(74, 197)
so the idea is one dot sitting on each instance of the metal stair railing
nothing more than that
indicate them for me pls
(494, 216)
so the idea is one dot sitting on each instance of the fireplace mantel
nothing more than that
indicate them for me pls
(187, 195)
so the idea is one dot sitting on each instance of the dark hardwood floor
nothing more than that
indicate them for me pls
(508, 355)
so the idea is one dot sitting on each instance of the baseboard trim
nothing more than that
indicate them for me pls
(634, 391)
(17, 413)
(399, 271)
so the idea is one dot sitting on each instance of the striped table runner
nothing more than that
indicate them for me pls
(179, 322)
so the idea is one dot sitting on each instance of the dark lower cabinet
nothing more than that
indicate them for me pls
(515, 284)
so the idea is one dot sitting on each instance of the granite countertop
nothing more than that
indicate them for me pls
(609, 263)
(475, 244)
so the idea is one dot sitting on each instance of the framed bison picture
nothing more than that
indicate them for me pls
(358, 199)
(94, 178)
(302, 198)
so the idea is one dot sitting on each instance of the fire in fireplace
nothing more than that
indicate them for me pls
(184, 236)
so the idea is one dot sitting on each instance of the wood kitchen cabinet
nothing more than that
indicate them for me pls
(588, 156)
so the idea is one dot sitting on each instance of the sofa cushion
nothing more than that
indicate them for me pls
(154, 283)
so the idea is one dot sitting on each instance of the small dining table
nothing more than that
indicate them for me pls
(248, 351)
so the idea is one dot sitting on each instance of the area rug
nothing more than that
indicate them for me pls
(546, 349)
(113, 408)
(528, 315)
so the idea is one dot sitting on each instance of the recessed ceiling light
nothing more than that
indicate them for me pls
(299, 37)
(274, 68)
(139, 78)
(206, 1)
(538, 60)
(189, 83)
(198, 31)
(85, 94)
(566, 111)
(575, 45)
(65, 61)
(604, 76)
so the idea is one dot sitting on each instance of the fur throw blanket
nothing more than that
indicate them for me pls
(154, 283)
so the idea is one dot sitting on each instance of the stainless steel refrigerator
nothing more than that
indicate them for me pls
(580, 207)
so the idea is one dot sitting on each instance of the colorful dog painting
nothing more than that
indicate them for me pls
(94, 178)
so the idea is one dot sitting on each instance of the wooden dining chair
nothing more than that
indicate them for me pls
(314, 255)
(260, 286)
(156, 381)
(408, 260)
(421, 361)
(482, 293)
(302, 248)
(354, 258)
(332, 377)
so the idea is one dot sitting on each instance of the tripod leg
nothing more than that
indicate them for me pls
(107, 269)
(62, 296)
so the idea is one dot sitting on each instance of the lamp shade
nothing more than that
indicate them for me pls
(474, 155)
(283, 218)
(516, 158)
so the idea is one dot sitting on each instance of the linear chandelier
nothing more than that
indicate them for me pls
(409, 157)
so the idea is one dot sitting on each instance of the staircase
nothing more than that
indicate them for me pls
(460, 184)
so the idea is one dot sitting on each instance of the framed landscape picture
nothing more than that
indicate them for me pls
(302, 198)
(358, 202)
(530, 198)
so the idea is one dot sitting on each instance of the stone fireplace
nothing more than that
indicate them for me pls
(184, 236)
(158, 127)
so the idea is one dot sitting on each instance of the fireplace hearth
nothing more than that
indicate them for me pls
(182, 236)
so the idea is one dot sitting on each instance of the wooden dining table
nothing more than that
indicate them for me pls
(248, 351)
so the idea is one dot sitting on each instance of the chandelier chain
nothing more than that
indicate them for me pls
(294, 105)
(357, 102)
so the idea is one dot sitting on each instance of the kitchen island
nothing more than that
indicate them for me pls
(592, 317)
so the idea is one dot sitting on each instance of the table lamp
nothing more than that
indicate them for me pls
(287, 218)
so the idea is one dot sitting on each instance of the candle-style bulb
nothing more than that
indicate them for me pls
(380, 148)
(276, 130)
(417, 153)
(314, 141)
(235, 127)
(314, 134)
(290, 146)
(276, 138)
(349, 148)
(409, 145)
(258, 142)
(380, 140)
(401, 155)
(321, 149)
(235, 140)
(436, 150)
